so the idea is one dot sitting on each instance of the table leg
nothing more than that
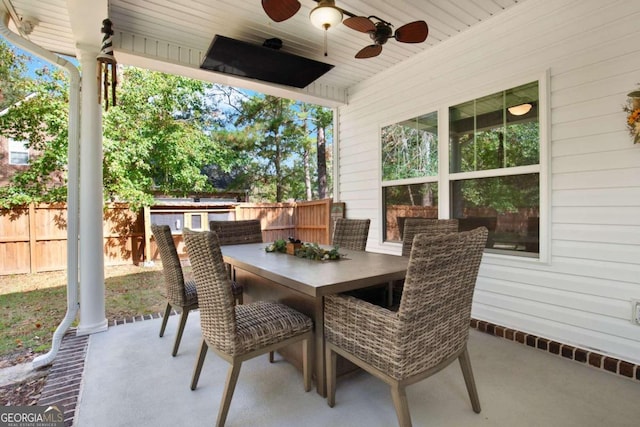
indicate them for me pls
(318, 321)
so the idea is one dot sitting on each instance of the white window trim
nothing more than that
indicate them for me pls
(444, 178)
(12, 147)
(542, 168)
(405, 181)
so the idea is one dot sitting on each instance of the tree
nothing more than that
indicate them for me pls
(322, 118)
(40, 119)
(285, 163)
(157, 137)
(12, 81)
(167, 133)
(271, 124)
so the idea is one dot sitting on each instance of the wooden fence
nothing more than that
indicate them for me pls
(307, 221)
(34, 238)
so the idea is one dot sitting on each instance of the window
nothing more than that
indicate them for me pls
(18, 152)
(494, 170)
(409, 171)
(408, 200)
(494, 176)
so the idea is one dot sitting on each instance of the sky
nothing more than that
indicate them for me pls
(35, 63)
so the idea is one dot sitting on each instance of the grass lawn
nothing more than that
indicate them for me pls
(33, 305)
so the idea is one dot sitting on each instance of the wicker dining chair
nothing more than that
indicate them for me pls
(237, 232)
(428, 332)
(241, 332)
(413, 226)
(351, 233)
(180, 293)
(430, 226)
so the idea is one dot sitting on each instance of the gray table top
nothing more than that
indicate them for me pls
(317, 278)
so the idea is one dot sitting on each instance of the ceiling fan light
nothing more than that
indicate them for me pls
(520, 110)
(325, 15)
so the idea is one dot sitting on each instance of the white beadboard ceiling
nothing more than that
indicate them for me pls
(192, 24)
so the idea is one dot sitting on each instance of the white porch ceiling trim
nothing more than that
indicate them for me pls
(168, 57)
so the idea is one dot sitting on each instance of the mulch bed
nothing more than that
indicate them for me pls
(24, 393)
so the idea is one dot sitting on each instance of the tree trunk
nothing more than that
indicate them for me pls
(307, 174)
(322, 164)
(279, 178)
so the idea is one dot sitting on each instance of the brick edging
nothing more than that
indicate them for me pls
(140, 318)
(588, 357)
(62, 386)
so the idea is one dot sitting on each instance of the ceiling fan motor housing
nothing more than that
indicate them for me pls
(382, 33)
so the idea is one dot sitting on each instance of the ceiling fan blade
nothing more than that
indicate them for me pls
(413, 32)
(280, 10)
(360, 23)
(369, 51)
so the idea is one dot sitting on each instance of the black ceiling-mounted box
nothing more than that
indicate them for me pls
(230, 56)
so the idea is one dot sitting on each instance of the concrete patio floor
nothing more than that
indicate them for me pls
(130, 379)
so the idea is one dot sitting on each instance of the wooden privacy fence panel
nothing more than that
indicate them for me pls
(396, 214)
(307, 221)
(34, 238)
(276, 219)
(123, 234)
(15, 241)
(313, 222)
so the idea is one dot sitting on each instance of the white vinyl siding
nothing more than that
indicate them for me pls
(580, 294)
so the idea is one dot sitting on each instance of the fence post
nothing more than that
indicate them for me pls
(328, 207)
(148, 260)
(33, 266)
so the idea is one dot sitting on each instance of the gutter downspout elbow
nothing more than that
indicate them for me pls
(72, 184)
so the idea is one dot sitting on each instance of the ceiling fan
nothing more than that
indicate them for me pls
(327, 14)
(381, 31)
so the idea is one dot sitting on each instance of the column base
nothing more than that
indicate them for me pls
(92, 329)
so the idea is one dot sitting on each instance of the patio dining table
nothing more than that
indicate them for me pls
(303, 283)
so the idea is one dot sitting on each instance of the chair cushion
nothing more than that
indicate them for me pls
(262, 323)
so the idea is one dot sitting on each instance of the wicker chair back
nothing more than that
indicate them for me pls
(351, 233)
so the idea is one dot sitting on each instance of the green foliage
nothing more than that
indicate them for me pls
(306, 250)
(315, 252)
(166, 134)
(277, 136)
(156, 137)
(12, 82)
(504, 194)
(410, 148)
(279, 245)
(40, 119)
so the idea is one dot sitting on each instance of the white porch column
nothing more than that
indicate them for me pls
(92, 288)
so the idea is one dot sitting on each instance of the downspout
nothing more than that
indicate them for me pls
(72, 184)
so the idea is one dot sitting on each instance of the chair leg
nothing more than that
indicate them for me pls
(467, 373)
(271, 357)
(306, 363)
(331, 360)
(198, 368)
(401, 404)
(232, 379)
(183, 321)
(165, 318)
(239, 300)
